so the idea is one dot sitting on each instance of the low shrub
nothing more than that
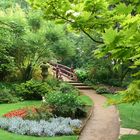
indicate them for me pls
(67, 88)
(7, 97)
(95, 87)
(82, 74)
(114, 82)
(100, 75)
(41, 113)
(55, 126)
(53, 82)
(65, 105)
(32, 90)
(103, 90)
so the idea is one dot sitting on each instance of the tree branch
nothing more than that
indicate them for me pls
(100, 42)
(62, 17)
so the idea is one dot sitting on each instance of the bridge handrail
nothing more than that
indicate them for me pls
(63, 70)
(60, 65)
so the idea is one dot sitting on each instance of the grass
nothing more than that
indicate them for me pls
(86, 100)
(129, 114)
(4, 135)
(130, 137)
(4, 108)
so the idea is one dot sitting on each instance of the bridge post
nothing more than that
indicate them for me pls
(57, 71)
(71, 70)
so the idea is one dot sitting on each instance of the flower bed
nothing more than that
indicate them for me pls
(19, 113)
(42, 121)
(52, 127)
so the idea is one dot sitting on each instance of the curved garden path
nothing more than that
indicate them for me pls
(104, 121)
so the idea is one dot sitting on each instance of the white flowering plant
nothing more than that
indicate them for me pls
(52, 127)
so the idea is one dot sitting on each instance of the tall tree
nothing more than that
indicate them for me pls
(27, 44)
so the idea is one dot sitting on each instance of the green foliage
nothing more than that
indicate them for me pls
(65, 104)
(132, 94)
(32, 90)
(35, 20)
(112, 25)
(60, 42)
(29, 41)
(4, 4)
(41, 113)
(99, 74)
(6, 96)
(110, 36)
(102, 90)
(67, 88)
(124, 9)
(53, 82)
(59, 99)
(23, 48)
(6, 65)
(81, 74)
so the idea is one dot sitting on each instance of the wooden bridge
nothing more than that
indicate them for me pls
(68, 74)
(63, 72)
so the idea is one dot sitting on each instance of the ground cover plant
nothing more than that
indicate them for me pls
(102, 90)
(52, 127)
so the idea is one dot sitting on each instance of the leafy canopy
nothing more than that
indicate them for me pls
(113, 24)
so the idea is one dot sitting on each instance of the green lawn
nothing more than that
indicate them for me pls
(129, 114)
(86, 100)
(4, 108)
(130, 137)
(4, 135)
(130, 117)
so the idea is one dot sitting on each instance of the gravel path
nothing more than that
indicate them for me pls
(104, 122)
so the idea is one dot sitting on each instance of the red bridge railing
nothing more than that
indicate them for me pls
(63, 71)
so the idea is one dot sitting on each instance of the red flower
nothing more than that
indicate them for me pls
(19, 113)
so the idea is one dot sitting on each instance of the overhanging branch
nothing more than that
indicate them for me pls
(62, 17)
(100, 42)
